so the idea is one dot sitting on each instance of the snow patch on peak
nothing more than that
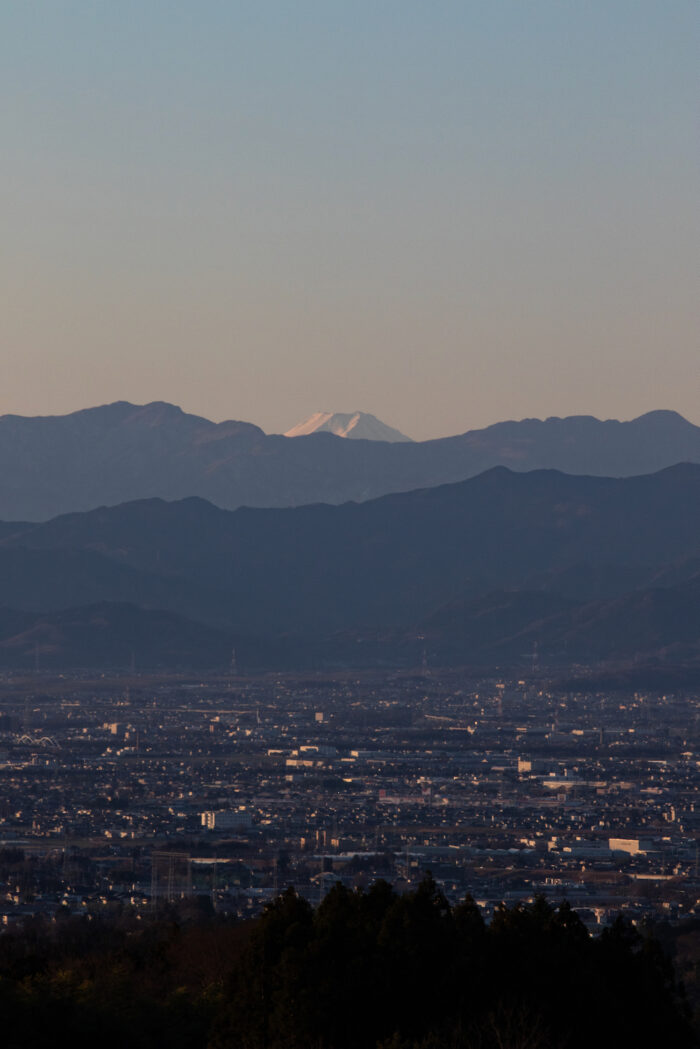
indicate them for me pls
(356, 425)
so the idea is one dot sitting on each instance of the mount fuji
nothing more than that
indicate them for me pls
(356, 425)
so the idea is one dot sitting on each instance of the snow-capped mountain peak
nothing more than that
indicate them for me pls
(356, 425)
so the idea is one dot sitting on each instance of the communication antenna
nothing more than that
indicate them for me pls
(171, 876)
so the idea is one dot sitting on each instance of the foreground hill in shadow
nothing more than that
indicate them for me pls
(365, 970)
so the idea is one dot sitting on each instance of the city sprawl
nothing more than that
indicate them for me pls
(134, 792)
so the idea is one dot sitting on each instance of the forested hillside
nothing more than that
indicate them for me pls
(365, 970)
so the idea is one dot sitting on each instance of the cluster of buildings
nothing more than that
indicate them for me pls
(139, 791)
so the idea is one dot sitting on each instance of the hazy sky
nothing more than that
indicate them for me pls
(445, 213)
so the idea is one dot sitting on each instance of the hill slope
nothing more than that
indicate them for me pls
(483, 568)
(109, 635)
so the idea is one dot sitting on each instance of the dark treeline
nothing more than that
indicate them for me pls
(365, 970)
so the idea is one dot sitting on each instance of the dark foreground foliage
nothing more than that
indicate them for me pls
(366, 970)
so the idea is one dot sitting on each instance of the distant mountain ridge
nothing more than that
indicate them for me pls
(583, 569)
(122, 452)
(354, 425)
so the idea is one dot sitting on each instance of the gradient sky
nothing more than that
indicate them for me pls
(444, 213)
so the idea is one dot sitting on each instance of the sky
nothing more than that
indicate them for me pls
(445, 213)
